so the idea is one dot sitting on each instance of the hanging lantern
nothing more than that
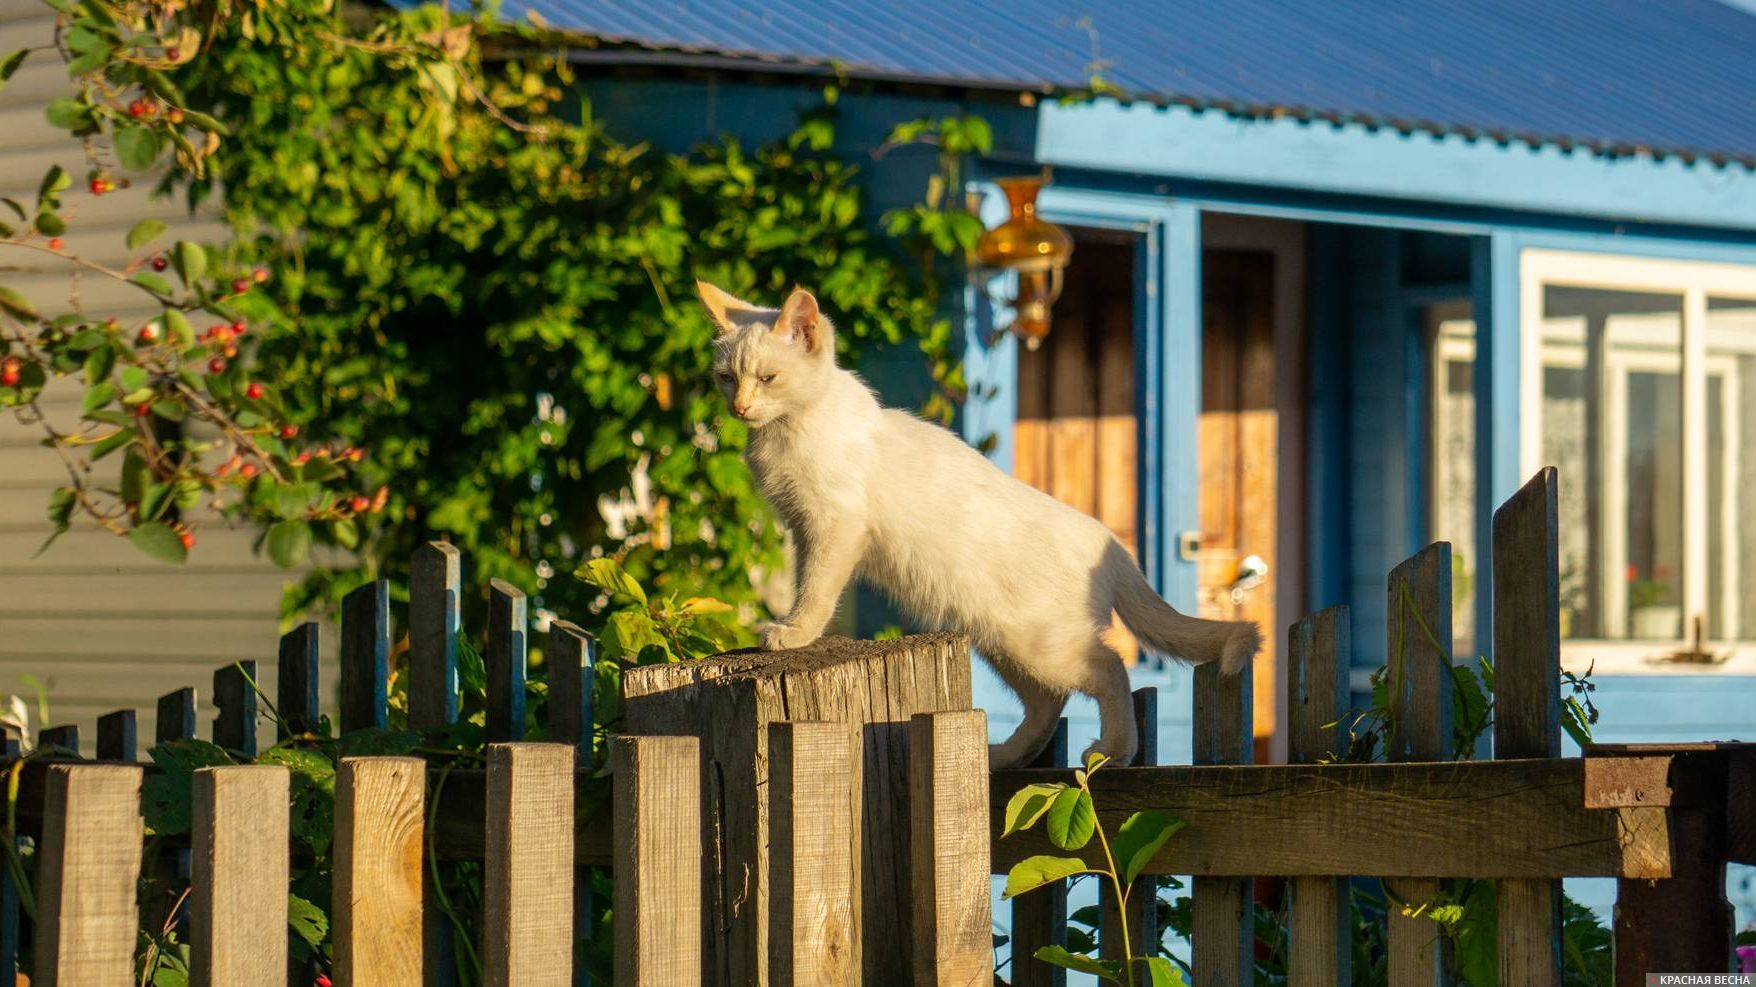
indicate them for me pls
(1036, 249)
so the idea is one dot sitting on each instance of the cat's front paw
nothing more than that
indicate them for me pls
(784, 637)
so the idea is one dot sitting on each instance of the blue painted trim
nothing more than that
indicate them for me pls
(1494, 281)
(990, 359)
(1328, 456)
(1360, 161)
(1180, 401)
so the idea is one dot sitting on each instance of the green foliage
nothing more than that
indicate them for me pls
(1070, 822)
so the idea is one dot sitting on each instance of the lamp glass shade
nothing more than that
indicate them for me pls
(1024, 242)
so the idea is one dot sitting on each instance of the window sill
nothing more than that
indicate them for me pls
(1640, 658)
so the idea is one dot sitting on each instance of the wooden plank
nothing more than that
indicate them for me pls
(234, 726)
(118, 737)
(65, 738)
(506, 661)
(948, 786)
(88, 862)
(527, 875)
(571, 659)
(658, 869)
(1527, 704)
(1419, 659)
(1223, 929)
(365, 657)
(1319, 652)
(1040, 918)
(1142, 908)
(238, 886)
(435, 581)
(729, 700)
(176, 716)
(1741, 807)
(1684, 924)
(298, 698)
(812, 882)
(379, 812)
(1526, 819)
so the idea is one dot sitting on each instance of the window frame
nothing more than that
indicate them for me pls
(1695, 282)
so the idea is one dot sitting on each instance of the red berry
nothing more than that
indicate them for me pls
(188, 539)
(231, 349)
(173, 53)
(55, 243)
(137, 108)
(175, 116)
(239, 328)
(254, 391)
(301, 459)
(360, 503)
(380, 498)
(9, 376)
(148, 333)
(239, 286)
(143, 410)
(216, 366)
(159, 263)
(289, 431)
(259, 275)
(98, 186)
(353, 454)
(247, 470)
(322, 981)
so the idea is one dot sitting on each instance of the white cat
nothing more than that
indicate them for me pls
(950, 538)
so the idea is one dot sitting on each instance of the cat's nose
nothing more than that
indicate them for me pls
(741, 410)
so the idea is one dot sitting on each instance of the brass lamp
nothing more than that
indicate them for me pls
(1035, 248)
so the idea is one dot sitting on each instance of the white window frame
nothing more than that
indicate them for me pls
(1695, 282)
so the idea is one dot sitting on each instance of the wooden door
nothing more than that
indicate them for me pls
(1237, 450)
(1076, 436)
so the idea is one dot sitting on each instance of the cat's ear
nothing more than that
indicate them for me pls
(723, 307)
(802, 322)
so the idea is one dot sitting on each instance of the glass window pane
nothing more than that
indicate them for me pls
(1453, 460)
(1612, 424)
(1731, 468)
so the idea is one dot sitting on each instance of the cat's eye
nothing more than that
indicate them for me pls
(768, 378)
(725, 375)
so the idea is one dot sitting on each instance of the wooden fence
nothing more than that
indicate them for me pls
(826, 816)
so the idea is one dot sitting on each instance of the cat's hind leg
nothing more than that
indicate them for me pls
(1106, 680)
(1042, 713)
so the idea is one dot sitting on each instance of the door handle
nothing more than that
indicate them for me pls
(1252, 570)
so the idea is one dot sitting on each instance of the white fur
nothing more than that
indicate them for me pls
(956, 543)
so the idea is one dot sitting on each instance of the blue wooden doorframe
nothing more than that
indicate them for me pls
(1167, 335)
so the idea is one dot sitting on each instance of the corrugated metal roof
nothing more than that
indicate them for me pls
(1616, 76)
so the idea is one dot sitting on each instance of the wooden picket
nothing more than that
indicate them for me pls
(813, 877)
(658, 855)
(87, 920)
(1222, 926)
(380, 826)
(238, 885)
(948, 787)
(1142, 908)
(1319, 648)
(1039, 919)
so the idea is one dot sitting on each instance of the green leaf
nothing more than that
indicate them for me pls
(1139, 840)
(288, 542)
(202, 121)
(166, 794)
(190, 261)
(1071, 819)
(156, 539)
(179, 330)
(97, 396)
(1164, 972)
(306, 920)
(1029, 804)
(144, 232)
(50, 223)
(70, 114)
(608, 576)
(137, 147)
(10, 63)
(1110, 970)
(55, 181)
(151, 282)
(1034, 872)
(14, 303)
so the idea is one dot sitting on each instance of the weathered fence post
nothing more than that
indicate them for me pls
(1040, 918)
(118, 737)
(658, 850)
(813, 781)
(1527, 705)
(89, 861)
(1419, 659)
(1143, 893)
(297, 698)
(1319, 653)
(379, 827)
(65, 737)
(237, 892)
(729, 701)
(505, 661)
(234, 722)
(527, 876)
(948, 808)
(365, 657)
(1223, 927)
(435, 583)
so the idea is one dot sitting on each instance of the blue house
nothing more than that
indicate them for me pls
(1345, 274)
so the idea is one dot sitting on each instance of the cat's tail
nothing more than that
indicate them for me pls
(1164, 629)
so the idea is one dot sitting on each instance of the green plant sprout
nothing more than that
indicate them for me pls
(1070, 820)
